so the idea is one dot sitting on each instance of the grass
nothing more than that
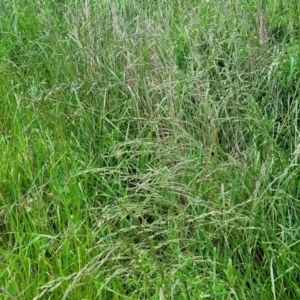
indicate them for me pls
(149, 150)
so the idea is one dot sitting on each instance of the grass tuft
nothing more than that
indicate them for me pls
(149, 150)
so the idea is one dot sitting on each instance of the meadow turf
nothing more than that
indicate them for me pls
(149, 149)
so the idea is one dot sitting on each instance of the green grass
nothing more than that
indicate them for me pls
(149, 150)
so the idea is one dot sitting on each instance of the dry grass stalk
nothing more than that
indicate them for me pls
(261, 27)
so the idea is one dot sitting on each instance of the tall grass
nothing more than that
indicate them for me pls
(149, 150)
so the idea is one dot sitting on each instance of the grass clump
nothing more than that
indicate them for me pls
(149, 151)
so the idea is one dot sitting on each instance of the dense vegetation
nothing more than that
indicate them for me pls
(149, 149)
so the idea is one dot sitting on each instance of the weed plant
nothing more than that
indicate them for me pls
(149, 149)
